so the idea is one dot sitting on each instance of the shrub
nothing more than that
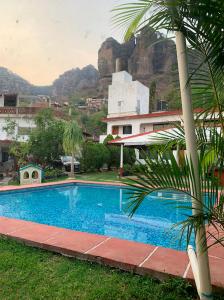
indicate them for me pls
(53, 173)
(94, 156)
(114, 161)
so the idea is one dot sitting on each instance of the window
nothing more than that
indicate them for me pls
(10, 100)
(127, 129)
(26, 175)
(158, 126)
(115, 130)
(35, 175)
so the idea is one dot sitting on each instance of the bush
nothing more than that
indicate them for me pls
(94, 156)
(114, 161)
(53, 173)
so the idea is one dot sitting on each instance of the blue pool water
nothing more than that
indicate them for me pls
(99, 209)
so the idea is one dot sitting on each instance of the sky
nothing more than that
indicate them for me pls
(41, 39)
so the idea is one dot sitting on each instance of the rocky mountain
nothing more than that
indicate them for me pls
(77, 81)
(149, 57)
(13, 83)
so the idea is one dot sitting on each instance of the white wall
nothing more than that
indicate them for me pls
(145, 122)
(21, 121)
(127, 97)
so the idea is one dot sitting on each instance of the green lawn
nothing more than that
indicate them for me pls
(99, 176)
(95, 176)
(29, 273)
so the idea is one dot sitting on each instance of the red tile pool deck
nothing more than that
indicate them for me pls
(127, 255)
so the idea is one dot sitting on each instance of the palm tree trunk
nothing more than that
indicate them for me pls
(72, 165)
(204, 289)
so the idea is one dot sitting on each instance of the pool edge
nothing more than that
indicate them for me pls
(139, 258)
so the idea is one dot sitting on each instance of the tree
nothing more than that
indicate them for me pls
(200, 23)
(45, 142)
(94, 156)
(152, 98)
(72, 139)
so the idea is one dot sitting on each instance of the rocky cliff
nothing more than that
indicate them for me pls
(149, 57)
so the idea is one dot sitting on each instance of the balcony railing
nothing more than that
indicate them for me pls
(27, 111)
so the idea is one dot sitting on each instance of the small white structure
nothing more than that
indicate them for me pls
(30, 174)
(127, 97)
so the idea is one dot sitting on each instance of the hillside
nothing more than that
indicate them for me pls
(13, 83)
(77, 81)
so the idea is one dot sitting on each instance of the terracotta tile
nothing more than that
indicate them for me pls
(73, 242)
(124, 254)
(8, 225)
(217, 272)
(165, 260)
(35, 232)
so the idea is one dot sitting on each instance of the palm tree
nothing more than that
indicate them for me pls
(72, 140)
(199, 23)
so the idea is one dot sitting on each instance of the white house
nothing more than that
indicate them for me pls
(128, 109)
(128, 114)
(21, 118)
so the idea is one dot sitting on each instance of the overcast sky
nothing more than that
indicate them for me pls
(40, 39)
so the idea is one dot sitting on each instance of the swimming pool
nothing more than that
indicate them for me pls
(100, 209)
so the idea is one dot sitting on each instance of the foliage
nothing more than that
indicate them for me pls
(201, 23)
(152, 99)
(76, 100)
(20, 151)
(173, 98)
(114, 161)
(93, 123)
(72, 138)
(10, 127)
(46, 139)
(53, 173)
(94, 156)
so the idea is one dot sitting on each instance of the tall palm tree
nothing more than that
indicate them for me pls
(199, 23)
(72, 140)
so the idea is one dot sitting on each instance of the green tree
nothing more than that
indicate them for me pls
(45, 142)
(20, 151)
(72, 139)
(152, 99)
(94, 156)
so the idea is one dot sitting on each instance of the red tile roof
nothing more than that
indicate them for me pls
(136, 135)
(151, 115)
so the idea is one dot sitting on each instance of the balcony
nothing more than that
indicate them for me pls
(27, 111)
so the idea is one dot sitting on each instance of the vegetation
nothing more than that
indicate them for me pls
(45, 142)
(201, 25)
(114, 161)
(72, 139)
(152, 102)
(28, 273)
(94, 156)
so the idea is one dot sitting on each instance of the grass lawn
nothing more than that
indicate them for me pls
(95, 176)
(29, 273)
(99, 176)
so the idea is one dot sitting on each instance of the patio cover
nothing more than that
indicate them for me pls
(146, 138)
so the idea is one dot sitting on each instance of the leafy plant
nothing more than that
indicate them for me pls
(72, 139)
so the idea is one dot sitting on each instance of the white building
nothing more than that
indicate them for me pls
(19, 119)
(128, 109)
